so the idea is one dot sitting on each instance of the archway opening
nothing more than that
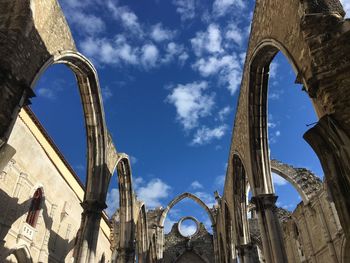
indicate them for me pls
(187, 207)
(188, 226)
(58, 107)
(289, 116)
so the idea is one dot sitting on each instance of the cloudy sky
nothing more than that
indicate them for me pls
(170, 73)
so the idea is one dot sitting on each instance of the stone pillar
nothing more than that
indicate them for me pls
(308, 243)
(270, 229)
(89, 230)
(245, 253)
(126, 255)
(215, 244)
(326, 233)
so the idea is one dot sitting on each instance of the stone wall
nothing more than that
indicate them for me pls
(36, 163)
(198, 249)
(313, 232)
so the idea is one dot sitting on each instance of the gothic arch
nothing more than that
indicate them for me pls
(294, 34)
(164, 214)
(127, 229)
(177, 200)
(257, 101)
(98, 172)
(142, 235)
(305, 182)
(32, 32)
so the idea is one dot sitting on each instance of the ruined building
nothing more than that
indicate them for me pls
(37, 226)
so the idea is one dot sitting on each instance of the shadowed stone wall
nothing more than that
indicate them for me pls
(198, 249)
(36, 164)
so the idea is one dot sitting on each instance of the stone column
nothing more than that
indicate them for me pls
(245, 253)
(326, 233)
(270, 229)
(89, 230)
(308, 244)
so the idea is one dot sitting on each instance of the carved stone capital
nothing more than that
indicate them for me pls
(93, 206)
(264, 201)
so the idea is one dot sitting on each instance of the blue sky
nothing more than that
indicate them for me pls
(170, 73)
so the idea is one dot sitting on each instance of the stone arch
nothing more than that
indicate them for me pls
(221, 250)
(32, 32)
(177, 200)
(98, 172)
(261, 58)
(345, 251)
(240, 189)
(294, 34)
(21, 254)
(304, 181)
(142, 235)
(126, 250)
(229, 234)
(171, 204)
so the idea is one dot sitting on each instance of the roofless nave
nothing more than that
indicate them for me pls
(66, 223)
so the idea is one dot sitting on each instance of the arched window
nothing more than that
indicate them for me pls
(35, 206)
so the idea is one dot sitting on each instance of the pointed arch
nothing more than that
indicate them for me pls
(142, 235)
(126, 210)
(180, 197)
(35, 207)
(172, 203)
(303, 180)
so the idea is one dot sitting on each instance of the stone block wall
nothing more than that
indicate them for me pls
(36, 164)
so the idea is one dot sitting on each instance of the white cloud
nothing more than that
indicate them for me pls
(106, 51)
(271, 125)
(206, 135)
(112, 201)
(273, 69)
(149, 55)
(52, 91)
(208, 199)
(188, 228)
(138, 182)
(224, 112)
(47, 93)
(173, 51)
(234, 33)
(278, 180)
(77, 3)
(153, 192)
(119, 51)
(168, 224)
(159, 34)
(87, 23)
(220, 181)
(274, 95)
(221, 7)
(273, 138)
(191, 103)
(227, 68)
(208, 41)
(196, 185)
(278, 133)
(186, 8)
(128, 18)
(133, 159)
(106, 93)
